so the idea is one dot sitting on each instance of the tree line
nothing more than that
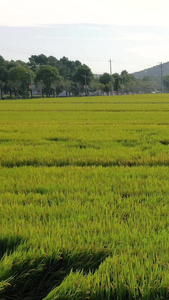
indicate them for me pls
(49, 76)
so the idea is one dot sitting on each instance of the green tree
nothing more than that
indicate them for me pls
(57, 85)
(106, 80)
(127, 82)
(20, 79)
(68, 86)
(40, 87)
(48, 75)
(96, 86)
(83, 76)
(37, 61)
(67, 67)
(166, 82)
(53, 61)
(1, 88)
(117, 82)
(3, 75)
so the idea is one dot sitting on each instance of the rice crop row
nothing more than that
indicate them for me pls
(84, 202)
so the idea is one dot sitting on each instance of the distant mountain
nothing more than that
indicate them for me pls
(153, 72)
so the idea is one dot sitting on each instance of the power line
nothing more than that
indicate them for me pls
(117, 63)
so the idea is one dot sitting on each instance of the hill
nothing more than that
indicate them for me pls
(153, 72)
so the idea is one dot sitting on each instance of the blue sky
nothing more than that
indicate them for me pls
(133, 34)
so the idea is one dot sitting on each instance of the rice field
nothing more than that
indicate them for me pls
(84, 198)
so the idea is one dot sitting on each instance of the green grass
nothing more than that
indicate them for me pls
(84, 198)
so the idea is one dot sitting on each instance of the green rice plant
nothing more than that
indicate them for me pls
(84, 198)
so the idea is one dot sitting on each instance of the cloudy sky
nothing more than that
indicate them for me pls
(135, 35)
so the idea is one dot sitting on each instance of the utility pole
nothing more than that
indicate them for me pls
(161, 67)
(110, 61)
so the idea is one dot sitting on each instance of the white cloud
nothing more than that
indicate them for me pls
(143, 37)
(121, 12)
(133, 37)
(155, 54)
(102, 29)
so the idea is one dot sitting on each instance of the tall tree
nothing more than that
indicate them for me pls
(67, 67)
(3, 74)
(97, 86)
(48, 75)
(20, 80)
(106, 80)
(36, 61)
(57, 85)
(68, 86)
(166, 82)
(117, 81)
(83, 76)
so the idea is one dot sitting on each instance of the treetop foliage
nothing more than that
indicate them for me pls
(50, 76)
